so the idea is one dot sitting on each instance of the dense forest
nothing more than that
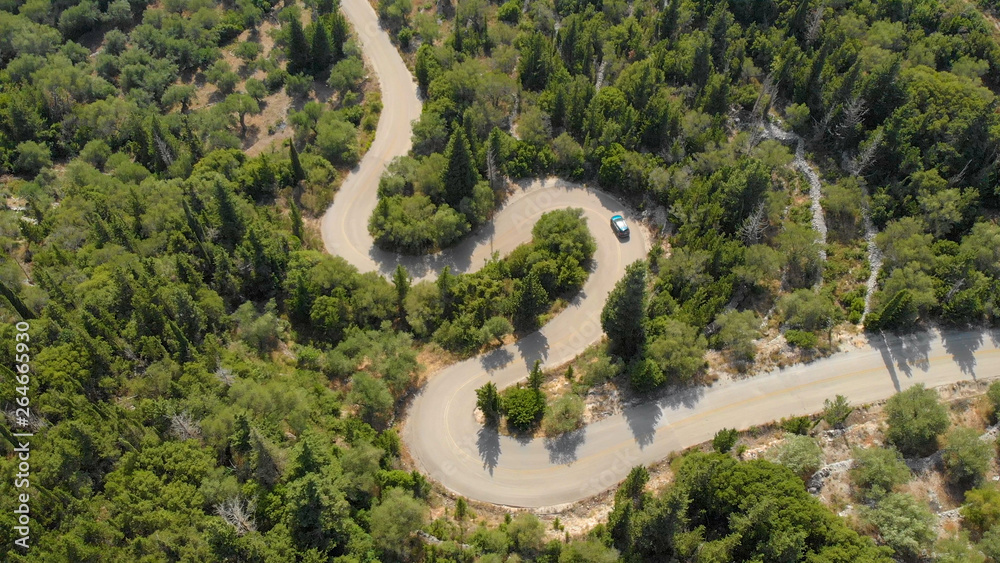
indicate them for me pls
(893, 101)
(208, 386)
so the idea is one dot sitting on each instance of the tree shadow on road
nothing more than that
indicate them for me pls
(562, 448)
(642, 419)
(496, 359)
(904, 351)
(642, 413)
(488, 443)
(962, 346)
(533, 347)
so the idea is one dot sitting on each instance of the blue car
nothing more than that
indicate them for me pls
(619, 226)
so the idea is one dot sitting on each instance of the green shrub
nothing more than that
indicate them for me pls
(801, 338)
(800, 425)
(565, 414)
(509, 12)
(993, 394)
(915, 418)
(966, 457)
(877, 471)
(725, 439)
(404, 36)
(801, 454)
(32, 157)
(522, 406)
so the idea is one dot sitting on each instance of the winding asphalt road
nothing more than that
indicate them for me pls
(441, 431)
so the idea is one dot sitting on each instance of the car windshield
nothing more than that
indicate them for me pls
(620, 223)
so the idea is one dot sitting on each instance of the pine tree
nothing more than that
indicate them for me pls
(459, 175)
(239, 442)
(401, 279)
(536, 378)
(298, 174)
(488, 401)
(298, 49)
(623, 317)
(306, 462)
(322, 56)
(529, 299)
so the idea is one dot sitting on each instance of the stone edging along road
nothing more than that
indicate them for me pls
(441, 432)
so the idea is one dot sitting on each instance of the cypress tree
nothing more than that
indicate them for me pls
(15, 301)
(324, 7)
(338, 35)
(401, 280)
(457, 42)
(298, 174)
(446, 289)
(425, 67)
(493, 158)
(232, 224)
(459, 175)
(529, 299)
(667, 25)
(536, 378)
(322, 57)
(296, 217)
(298, 49)
(535, 63)
(625, 310)
(488, 401)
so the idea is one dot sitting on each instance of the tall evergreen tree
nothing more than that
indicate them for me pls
(401, 280)
(338, 34)
(297, 172)
(493, 158)
(296, 217)
(459, 175)
(239, 441)
(457, 42)
(666, 27)
(232, 224)
(536, 378)
(529, 299)
(623, 317)
(298, 49)
(535, 64)
(488, 401)
(322, 55)
(324, 7)
(425, 68)
(446, 292)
